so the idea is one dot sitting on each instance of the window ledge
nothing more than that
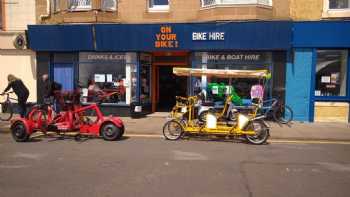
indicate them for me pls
(336, 13)
(79, 9)
(157, 10)
(234, 5)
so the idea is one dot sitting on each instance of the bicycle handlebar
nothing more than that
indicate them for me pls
(6, 93)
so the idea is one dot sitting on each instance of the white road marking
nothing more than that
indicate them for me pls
(191, 156)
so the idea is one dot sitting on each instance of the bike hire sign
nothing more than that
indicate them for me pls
(262, 35)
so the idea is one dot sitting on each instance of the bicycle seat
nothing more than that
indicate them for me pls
(40, 106)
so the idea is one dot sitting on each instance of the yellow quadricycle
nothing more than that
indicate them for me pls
(185, 119)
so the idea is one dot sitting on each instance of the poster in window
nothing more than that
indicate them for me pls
(317, 92)
(335, 78)
(325, 79)
(99, 78)
(109, 78)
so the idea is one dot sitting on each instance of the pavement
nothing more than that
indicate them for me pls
(153, 125)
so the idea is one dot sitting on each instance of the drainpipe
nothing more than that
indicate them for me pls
(48, 11)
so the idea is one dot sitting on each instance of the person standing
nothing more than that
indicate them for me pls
(20, 90)
(51, 92)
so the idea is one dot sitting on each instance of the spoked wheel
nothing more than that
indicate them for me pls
(261, 132)
(19, 132)
(172, 130)
(6, 111)
(283, 114)
(111, 132)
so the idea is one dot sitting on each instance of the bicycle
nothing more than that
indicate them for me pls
(280, 112)
(6, 107)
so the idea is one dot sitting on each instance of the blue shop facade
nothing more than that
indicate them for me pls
(309, 68)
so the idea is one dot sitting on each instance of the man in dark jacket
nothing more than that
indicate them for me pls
(20, 90)
(51, 89)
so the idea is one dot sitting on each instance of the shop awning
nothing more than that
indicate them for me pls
(197, 72)
(60, 37)
(322, 34)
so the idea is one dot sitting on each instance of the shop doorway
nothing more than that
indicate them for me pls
(169, 87)
(165, 85)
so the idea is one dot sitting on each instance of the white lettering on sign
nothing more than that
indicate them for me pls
(199, 36)
(106, 57)
(216, 36)
(240, 57)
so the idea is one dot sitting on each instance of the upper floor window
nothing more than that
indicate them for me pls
(339, 4)
(336, 8)
(207, 3)
(77, 5)
(1, 15)
(55, 5)
(158, 5)
(109, 5)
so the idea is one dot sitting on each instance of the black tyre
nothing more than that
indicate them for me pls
(203, 116)
(111, 132)
(172, 130)
(283, 114)
(19, 132)
(6, 111)
(261, 132)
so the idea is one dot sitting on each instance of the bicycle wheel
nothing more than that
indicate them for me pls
(172, 130)
(6, 111)
(283, 114)
(261, 132)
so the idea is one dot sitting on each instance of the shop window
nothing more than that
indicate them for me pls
(78, 5)
(109, 5)
(208, 3)
(158, 5)
(230, 61)
(145, 78)
(331, 73)
(108, 77)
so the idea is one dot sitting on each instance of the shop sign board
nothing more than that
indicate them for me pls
(96, 57)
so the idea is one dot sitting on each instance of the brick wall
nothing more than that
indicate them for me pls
(306, 9)
(131, 11)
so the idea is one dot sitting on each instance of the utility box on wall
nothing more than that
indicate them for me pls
(331, 112)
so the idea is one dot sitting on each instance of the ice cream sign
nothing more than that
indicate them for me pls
(215, 36)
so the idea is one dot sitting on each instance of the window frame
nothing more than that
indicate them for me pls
(55, 6)
(79, 8)
(329, 13)
(220, 3)
(2, 17)
(114, 9)
(158, 8)
(346, 97)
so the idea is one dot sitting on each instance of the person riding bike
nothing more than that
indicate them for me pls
(20, 90)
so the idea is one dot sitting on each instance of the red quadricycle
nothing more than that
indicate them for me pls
(82, 120)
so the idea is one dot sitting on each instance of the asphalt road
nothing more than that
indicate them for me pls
(156, 167)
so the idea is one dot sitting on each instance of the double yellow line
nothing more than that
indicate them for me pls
(274, 141)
